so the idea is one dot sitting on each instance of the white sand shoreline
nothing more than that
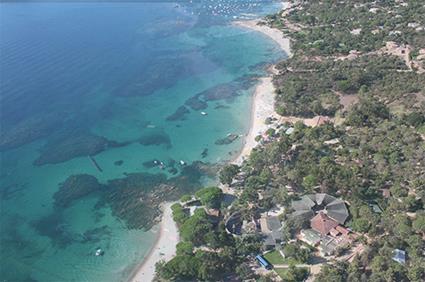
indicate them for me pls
(164, 247)
(273, 33)
(263, 99)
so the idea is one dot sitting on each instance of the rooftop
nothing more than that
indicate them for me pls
(333, 207)
(311, 236)
(273, 223)
(323, 223)
(399, 256)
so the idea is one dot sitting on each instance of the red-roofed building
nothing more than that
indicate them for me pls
(334, 232)
(342, 230)
(323, 223)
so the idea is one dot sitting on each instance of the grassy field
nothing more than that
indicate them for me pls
(274, 257)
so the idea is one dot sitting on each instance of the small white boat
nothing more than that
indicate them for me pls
(182, 162)
(99, 252)
(204, 113)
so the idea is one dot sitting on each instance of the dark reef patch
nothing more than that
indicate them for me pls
(228, 91)
(227, 140)
(53, 227)
(12, 191)
(118, 163)
(28, 130)
(135, 199)
(179, 114)
(204, 153)
(74, 144)
(95, 235)
(220, 106)
(156, 138)
(225, 91)
(196, 104)
(75, 187)
(165, 72)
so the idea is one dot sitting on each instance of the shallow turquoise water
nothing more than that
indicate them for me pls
(114, 70)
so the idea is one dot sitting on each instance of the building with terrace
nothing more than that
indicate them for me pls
(327, 216)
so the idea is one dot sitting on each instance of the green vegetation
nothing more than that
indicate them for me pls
(296, 254)
(185, 198)
(210, 197)
(217, 254)
(326, 25)
(179, 214)
(274, 257)
(228, 172)
(293, 274)
(375, 143)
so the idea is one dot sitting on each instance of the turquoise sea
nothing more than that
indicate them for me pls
(126, 84)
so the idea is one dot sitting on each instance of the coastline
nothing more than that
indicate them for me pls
(164, 247)
(263, 100)
(262, 107)
(273, 33)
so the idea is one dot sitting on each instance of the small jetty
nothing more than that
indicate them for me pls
(93, 161)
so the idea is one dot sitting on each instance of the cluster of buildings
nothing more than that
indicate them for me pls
(326, 215)
(269, 227)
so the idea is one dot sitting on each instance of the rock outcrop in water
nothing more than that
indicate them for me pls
(196, 104)
(135, 199)
(179, 114)
(225, 91)
(156, 138)
(28, 131)
(75, 187)
(64, 148)
(227, 140)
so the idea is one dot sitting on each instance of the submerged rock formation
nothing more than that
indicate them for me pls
(69, 146)
(227, 140)
(196, 104)
(179, 114)
(28, 131)
(75, 187)
(156, 138)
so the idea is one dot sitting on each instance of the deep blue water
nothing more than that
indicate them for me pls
(107, 80)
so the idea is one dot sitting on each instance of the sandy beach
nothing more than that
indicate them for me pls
(163, 249)
(272, 33)
(263, 99)
(262, 107)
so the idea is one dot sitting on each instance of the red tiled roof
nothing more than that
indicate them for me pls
(334, 232)
(323, 223)
(342, 230)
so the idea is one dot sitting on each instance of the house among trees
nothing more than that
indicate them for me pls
(399, 256)
(234, 223)
(327, 216)
(323, 223)
(271, 228)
